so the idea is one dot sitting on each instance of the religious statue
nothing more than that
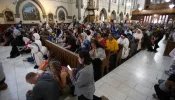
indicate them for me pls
(91, 4)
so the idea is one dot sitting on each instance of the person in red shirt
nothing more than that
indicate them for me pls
(101, 40)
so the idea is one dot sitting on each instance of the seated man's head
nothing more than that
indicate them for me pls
(32, 77)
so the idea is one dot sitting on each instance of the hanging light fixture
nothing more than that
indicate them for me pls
(171, 5)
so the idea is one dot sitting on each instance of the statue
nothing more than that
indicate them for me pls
(91, 4)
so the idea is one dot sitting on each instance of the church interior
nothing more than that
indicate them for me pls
(87, 49)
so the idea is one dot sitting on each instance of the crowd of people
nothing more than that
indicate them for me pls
(91, 41)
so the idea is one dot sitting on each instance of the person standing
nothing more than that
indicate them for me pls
(112, 46)
(97, 54)
(83, 78)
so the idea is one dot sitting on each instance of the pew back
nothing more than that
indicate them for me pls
(65, 56)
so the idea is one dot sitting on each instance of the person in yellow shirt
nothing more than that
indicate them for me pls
(112, 46)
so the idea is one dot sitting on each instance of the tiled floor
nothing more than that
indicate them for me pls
(133, 80)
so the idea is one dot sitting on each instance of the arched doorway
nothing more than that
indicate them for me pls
(103, 14)
(121, 17)
(113, 16)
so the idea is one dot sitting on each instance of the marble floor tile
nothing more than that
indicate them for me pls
(112, 92)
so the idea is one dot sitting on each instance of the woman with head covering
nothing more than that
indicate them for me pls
(123, 40)
(36, 47)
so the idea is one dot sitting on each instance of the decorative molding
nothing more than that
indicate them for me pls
(69, 17)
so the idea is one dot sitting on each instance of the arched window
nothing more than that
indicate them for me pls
(30, 12)
(61, 15)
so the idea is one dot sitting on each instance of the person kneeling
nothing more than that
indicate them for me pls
(46, 87)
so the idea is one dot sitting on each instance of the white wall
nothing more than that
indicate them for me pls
(50, 6)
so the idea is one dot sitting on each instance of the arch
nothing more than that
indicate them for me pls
(103, 13)
(60, 8)
(113, 15)
(35, 1)
(121, 16)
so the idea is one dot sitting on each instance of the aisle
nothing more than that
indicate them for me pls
(133, 80)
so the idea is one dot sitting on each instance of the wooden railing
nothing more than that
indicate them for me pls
(158, 6)
(149, 12)
(67, 57)
(169, 47)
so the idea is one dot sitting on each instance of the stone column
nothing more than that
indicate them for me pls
(125, 7)
(118, 7)
(79, 10)
(109, 8)
(82, 3)
(97, 4)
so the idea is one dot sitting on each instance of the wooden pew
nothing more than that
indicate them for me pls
(105, 63)
(65, 56)
(169, 47)
(119, 55)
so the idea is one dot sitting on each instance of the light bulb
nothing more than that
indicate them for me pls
(171, 6)
(140, 9)
(128, 4)
(167, 0)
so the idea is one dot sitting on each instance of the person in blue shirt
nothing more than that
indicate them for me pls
(84, 44)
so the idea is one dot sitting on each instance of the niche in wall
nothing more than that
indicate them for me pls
(8, 15)
(50, 17)
(61, 15)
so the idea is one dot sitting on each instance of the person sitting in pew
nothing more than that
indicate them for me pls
(97, 54)
(113, 47)
(70, 42)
